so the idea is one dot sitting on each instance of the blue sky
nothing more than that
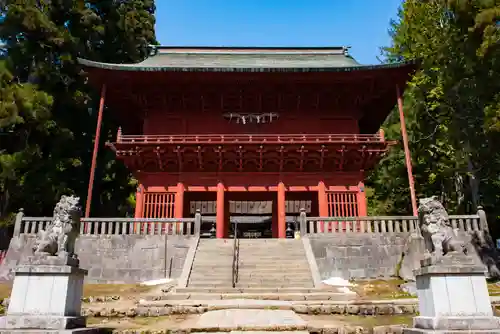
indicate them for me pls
(361, 24)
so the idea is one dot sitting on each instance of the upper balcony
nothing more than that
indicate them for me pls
(251, 152)
(255, 139)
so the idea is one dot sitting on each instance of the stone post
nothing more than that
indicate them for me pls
(303, 222)
(18, 223)
(453, 297)
(483, 222)
(197, 223)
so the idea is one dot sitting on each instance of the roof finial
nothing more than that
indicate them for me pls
(346, 50)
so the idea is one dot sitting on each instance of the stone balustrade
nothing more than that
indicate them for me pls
(384, 224)
(116, 226)
(307, 225)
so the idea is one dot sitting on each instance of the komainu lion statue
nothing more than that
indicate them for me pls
(59, 238)
(436, 230)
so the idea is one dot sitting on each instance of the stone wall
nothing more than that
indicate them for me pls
(115, 258)
(369, 256)
(358, 255)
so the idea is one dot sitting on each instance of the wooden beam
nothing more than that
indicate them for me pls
(282, 157)
(179, 152)
(159, 157)
(407, 152)
(199, 152)
(94, 153)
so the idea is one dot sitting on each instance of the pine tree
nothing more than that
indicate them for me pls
(42, 42)
(451, 103)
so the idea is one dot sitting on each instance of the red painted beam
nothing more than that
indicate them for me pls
(407, 152)
(94, 153)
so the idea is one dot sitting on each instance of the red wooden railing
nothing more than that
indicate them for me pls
(247, 138)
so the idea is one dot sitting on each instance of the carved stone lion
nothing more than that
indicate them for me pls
(60, 235)
(436, 230)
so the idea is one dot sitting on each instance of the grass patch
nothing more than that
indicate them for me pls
(494, 288)
(389, 289)
(380, 289)
(356, 320)
(114, 289)
(5, 290)
(123, 290)
(144, 323)
(383, 320)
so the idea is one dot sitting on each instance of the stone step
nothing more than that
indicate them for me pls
(211, 282)
(259, 258)
(248, 290)
(215, 265)
(248, 280)
(269, 285)
(323, 296)
(257, 272)
(277, 263)
(263, 267)
(274, 279)
(277, 282)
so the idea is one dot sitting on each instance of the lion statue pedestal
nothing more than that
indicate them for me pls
(47, 289)
(451, 285)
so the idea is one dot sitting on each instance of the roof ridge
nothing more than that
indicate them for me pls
(337, 50)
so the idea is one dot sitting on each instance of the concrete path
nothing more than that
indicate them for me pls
(237, 319)
(257, 332)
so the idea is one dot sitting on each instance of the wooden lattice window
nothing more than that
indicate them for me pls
(342, 204)
(158, 205)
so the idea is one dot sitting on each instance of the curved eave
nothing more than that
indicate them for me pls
(137, 68)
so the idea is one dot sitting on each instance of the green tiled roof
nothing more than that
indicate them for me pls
(249, 59)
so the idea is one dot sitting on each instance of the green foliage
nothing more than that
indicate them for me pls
(48, 112)
(452, 106)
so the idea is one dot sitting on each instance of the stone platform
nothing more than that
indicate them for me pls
(453, 297)
(46, 297)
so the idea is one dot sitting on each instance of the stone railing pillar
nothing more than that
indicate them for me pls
(303, 222)
(197, 223)
(483, 222)
(18, 223)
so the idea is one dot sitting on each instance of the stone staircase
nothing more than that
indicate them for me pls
(212, 265)
(273, 263)
(269, 269)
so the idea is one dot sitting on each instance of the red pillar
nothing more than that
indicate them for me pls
(281, 211)
(139, 206)
(274, 222)
(179, 204)
(407, 152)
(139, 202)
(362, 207)
(220, 219)
(94, 153)
(322, 204)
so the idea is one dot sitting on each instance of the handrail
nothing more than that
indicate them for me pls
(236, 256)
(249, 138)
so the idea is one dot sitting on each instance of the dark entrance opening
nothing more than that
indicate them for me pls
(251, 226)
(251, 214)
